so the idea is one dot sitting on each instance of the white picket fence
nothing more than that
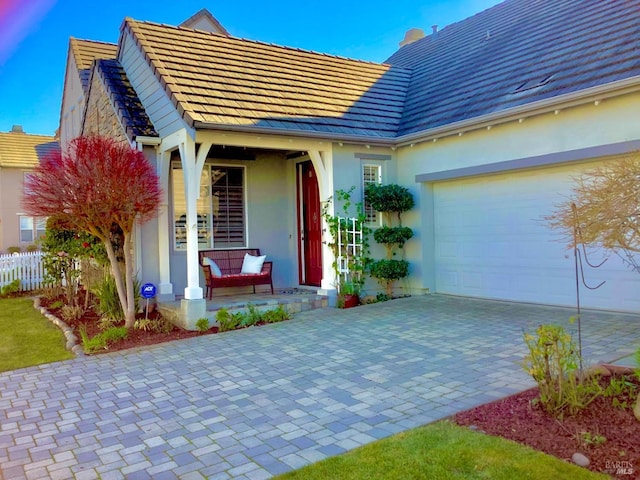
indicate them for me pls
(27, 267)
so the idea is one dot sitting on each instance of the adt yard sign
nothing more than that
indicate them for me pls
(148, 290)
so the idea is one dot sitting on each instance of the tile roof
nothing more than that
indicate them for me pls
(85, 52)
(517, 52)
(217, 80)
(204, 17)
(19, 149)
(124, 99)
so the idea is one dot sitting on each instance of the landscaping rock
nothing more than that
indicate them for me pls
(619, 369)
(636, 409)
(598, 370)
(580, 459)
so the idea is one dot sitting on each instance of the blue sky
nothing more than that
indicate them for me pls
(34, 36)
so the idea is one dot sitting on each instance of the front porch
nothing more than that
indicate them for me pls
(295, 300)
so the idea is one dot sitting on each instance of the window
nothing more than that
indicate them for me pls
(220, 208)
(370, 174)
(32, 229)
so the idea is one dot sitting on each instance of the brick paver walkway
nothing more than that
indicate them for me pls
(254, 403)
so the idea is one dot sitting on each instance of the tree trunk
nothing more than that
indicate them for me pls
(120, 285)
(130, 312)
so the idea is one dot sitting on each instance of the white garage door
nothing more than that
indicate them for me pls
(491, 241)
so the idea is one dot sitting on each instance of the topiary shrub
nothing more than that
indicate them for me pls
(389, 199)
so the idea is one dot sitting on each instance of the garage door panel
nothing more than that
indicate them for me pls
(491, 240)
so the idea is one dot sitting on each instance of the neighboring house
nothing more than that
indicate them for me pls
(486, 122)
(19, 154)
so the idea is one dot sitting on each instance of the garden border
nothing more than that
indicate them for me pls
(71, 340)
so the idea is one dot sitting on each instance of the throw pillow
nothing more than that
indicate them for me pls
(215, 270)
(252, 264)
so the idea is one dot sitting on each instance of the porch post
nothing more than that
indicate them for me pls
(323, 164)
(191, 173)
(165, 288)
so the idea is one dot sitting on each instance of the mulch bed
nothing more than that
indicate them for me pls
(135, 338)
(517, 418)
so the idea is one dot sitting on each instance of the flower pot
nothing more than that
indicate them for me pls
(351, 300)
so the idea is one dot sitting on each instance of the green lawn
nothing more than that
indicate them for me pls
(444, 451)
(26, 337)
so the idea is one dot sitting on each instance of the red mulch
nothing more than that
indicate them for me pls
(517, 419)
(135, 338)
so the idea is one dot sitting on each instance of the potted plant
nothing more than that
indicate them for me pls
(349, 294)
(350, 248)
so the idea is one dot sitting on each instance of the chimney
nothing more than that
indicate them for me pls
(17, 129)
(434, 29)
(412, 35)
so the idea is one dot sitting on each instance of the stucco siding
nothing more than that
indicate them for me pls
(348, 162)
(588, 128)
(612, 121)
(148, 268)
(158, 106)
(270, 219)
(11, 192)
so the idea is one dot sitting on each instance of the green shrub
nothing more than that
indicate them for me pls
(102, 340)
(388, 271)
(56, 305)
(202, 325)
(11, 288)
(156, 325)
(252, 317)
(231, 321)
(71, 312)
(32, 248)
(12, 250)
(114, 334)
(278, 314)
(389, 198)
(109, 305)
(553, 362)
(227, 321)
(382, 297)
(393, 235)
(144, 324)
(106, 322)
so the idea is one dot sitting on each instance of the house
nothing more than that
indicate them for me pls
(486, 121)
(19, 154)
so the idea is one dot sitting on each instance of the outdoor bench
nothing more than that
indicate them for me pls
(229, 266)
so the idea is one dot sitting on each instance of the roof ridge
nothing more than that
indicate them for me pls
(269, 44)
(26, 134)
(93, 41)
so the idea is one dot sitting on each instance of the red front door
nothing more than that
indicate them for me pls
(310, 225)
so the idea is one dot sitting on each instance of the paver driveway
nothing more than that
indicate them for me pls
(257, 402)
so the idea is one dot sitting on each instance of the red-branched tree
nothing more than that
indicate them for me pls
(97, 184)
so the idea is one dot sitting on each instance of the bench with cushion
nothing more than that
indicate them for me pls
(224, 268)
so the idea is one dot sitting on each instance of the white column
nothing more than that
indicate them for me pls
(187, 147)
(323, 165)
(165, 288)
(192, 169)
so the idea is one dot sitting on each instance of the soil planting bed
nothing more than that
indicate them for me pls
(608, 436)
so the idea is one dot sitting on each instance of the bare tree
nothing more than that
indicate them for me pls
(99, 185)
(604, 209)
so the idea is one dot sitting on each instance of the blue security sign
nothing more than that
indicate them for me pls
(148, 290)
